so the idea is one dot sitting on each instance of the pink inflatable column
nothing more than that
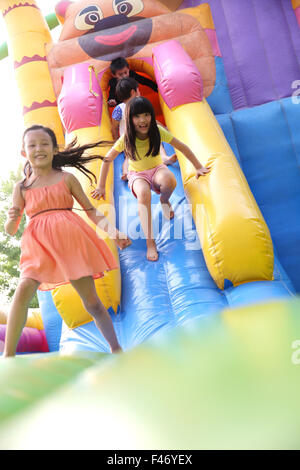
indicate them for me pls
(178, 79)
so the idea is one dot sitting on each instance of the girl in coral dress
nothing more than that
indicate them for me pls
(57, 246)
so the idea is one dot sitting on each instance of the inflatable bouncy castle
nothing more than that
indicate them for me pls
(211, 331)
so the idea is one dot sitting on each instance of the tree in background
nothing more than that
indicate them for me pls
(10, 246)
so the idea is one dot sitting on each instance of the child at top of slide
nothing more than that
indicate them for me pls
(57, 245)
(141, 143)
(126, 88)
(120, 69)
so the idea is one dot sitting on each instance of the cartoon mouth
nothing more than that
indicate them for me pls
(116, 39)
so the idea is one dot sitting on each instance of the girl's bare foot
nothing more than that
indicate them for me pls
(152, 254)
(167, 210)
(122, 240)
(116, 350)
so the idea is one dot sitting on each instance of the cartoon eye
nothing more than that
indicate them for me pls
(128, 7)
(88, 17)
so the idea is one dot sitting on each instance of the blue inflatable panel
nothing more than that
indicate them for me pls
(267, 141)
(52, 320)
(84, 338)
(291, 110)
(219, 100)
(226, 123)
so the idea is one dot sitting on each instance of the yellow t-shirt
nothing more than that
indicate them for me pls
(142, 146)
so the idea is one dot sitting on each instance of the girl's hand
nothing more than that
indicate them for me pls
(98, 193)
(14, 213)
(202, 171)
(112, 103)
(122, 240)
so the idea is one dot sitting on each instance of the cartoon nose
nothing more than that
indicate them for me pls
(111, 22)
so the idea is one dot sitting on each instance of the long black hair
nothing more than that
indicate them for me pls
(72, 155)
(135, 106)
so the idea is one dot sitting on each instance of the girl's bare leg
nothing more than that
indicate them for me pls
(18, 314)
(85, 287)
(165, 182)
(143, 193)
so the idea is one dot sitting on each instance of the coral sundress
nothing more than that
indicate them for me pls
(57, 245)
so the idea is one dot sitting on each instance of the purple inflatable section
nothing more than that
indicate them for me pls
(260, 45)
(191, 3)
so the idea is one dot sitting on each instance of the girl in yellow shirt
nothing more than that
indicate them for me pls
(141, 143)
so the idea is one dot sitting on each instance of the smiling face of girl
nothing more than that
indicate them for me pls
(141, 124)
(38, 148)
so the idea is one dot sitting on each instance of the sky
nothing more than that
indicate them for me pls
(11, 120)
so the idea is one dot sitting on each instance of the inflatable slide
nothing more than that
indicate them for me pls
(211, 331)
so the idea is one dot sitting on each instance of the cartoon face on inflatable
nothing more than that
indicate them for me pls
(108, 28)
(129, 31)
(102, 30)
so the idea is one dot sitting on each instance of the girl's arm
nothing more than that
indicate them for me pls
(99, 192)
(94, 215)
(187, 152)
(116, 117)
(15, 213)
(115, 128)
